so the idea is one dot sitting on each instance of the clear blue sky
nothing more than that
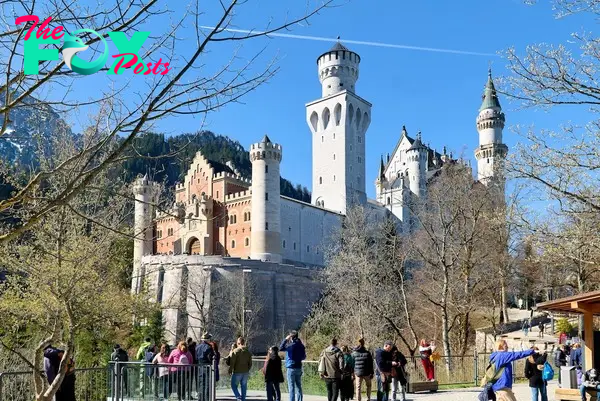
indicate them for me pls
(437, 93)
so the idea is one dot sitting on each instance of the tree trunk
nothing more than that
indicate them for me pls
(503, 301)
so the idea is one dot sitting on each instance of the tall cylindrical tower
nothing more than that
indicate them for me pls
(145, 193)
(417, 166)
(338, 69)
(491, 152)
(266, 201)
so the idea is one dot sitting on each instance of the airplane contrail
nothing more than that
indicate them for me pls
(356, 42)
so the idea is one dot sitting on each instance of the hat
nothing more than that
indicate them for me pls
(389, 343)
(206, 336)
(117, 346)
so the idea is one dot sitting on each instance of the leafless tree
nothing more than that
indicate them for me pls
(187, 35)
(366, 282)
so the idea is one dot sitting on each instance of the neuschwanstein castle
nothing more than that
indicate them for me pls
(222, 222)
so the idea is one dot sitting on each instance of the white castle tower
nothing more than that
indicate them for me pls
(266, 201)
(491, 152)
(417, 167)
(338, 122)
(146, 193)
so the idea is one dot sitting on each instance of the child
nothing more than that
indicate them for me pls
(273, 374)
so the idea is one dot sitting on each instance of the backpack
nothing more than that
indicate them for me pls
(148, 354)
(183, 360)
(548, 372)
(492, 375)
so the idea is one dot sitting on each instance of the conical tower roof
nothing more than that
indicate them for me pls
(266, 140)
(490, 97)
(381, 176)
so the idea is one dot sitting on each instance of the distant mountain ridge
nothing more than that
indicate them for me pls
(31, 131)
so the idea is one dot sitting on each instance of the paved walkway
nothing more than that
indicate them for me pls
(522, 392)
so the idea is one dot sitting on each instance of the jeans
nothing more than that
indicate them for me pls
(294, 379)
(542, 391)
(383, 388)
(582, 389)
(236, 379)
(399, 389)
(333, 389)
(273, 391)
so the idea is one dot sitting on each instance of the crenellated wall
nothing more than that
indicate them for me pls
(189, 282)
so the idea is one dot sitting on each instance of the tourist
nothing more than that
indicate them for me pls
(331, 364)
(398, 375)
(120, 355)
(145, 349)
(426, 350)
(191, 345)
(363, 369)
(180, 374)
(525, 327)
(146, 345)
(534, 366)
(205, 356)
(502, 359)
(162, 358)
(52, 360)
(576, 357)
(216, 359)
(347, 382)
(295, 353)
(240, 362)
(273, 373)
(384, 365)
(541, 328)
(560, 359)
(590, 380)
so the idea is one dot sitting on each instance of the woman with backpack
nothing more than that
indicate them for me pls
(502, 375)
(181, 375)
(534, 368)
(273, 374)
(347, 383)
(162, 358)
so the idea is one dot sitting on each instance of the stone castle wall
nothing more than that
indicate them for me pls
(190, 287)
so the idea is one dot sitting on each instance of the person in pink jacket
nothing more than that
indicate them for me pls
(181, 376)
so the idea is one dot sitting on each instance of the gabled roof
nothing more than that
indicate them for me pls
(402, 135)
(490, 97)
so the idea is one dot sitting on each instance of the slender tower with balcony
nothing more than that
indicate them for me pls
(491, 152)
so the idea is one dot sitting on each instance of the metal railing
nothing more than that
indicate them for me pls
(124, 381)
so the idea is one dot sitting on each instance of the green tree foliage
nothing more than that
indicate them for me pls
(564, 326)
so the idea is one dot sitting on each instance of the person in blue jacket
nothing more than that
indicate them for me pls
(295, 354)
(503, 358)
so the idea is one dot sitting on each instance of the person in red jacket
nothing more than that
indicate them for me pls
(425, 350)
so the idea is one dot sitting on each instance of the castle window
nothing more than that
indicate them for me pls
(334, 178)
(247, 241)
(388, 200)
(359, 139)
(341, 84)
(307, 248)
(266, 225)
(294, 246)
(266, 196)
(322, 138)
(320, 180)
(217, 194)
(232, 244)
(358, 181)
(283, 245)
(350, 148)
(359, 159)
(334, 156)
(488, 160)
(266, 168)
(334, 135)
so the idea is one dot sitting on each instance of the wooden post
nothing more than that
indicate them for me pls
(588, 328)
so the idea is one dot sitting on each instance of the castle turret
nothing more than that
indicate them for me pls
(381, 180)
(145, 192)
(491, 152)
(417, 166)
(266, 201)
(338, 121)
